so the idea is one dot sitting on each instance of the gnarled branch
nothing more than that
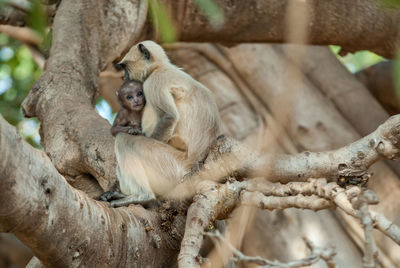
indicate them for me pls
(63, 226)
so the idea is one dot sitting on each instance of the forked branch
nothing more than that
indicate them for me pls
(350, 162)
(317, 254)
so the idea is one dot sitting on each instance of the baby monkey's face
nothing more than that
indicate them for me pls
(131, 96)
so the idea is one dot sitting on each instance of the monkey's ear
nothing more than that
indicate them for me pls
(145, 52)
(126, 75)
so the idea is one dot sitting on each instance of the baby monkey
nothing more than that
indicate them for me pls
(132, 101)
(128, 119)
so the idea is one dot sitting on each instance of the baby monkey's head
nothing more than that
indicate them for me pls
(131, 96)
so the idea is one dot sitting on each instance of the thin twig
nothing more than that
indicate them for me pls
(317, 254)
(360, 204)
(386, 226)
(331, 192)
(276, 202)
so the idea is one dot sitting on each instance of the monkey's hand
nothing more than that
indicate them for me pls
(117, 129)
(134, 131)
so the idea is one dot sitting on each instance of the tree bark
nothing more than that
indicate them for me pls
(87, 36)
(64, 227)
(264, 136)
(310, 118)
(330, 23)
(78, 140)
(350, 97)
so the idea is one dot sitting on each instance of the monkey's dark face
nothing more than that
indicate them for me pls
(141, 60)
(131, 97)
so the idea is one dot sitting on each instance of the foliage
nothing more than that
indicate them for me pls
(357, 61)
(18, 72)
(164, 24)
(162, 21)
(212, 11)
(396, 75)
(390, 3)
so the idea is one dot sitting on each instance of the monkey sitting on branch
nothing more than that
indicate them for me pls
(180, 122)
(132, 101)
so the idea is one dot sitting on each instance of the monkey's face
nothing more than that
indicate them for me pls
(131, 97)
(141, 60)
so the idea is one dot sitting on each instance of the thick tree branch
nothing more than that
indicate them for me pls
(329, 22)
(75, 137)
(63, 226)
(350, 96)
(313, 123)
(217, 201)
(348, 164)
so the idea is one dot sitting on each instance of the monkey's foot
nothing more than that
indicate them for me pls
(127, 200)
(196, 167)
(110, 195)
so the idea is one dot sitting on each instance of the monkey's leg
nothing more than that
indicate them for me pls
(146, 168)
(131, 199)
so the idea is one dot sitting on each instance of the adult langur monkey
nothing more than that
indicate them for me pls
(180, 122)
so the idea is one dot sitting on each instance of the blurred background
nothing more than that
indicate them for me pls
(19, 71)
(24, 49)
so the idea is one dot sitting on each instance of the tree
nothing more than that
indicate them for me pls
(280, 98)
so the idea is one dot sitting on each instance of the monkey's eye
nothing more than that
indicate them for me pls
(140, 93)
(129, 97)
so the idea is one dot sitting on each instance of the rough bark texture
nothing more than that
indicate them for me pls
(265, 78)
(353, 25)
(350, 97)
(64, 227)
(330, 22)
(316, 129)
(78, 140)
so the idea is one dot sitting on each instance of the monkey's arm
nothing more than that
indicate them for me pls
(122, 125)
(167, 115)
(128, 129)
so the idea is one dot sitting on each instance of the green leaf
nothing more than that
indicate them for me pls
(390, 3)
(37, 18)
(22, 71)
(162, 21)
(212, 11)
(357, 61)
